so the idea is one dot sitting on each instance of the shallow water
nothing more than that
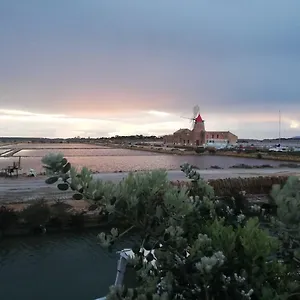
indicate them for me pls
(110, 160)
(65, 266)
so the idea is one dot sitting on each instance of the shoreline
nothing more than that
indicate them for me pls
(264, 156)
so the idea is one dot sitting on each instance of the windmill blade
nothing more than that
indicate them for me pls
(187, 118)
(192, 124)
(196, 111)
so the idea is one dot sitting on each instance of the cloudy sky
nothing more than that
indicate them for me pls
(101, 68)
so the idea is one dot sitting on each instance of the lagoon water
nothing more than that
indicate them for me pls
(58, 266)
(101, 159)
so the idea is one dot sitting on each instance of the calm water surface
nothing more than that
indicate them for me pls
(109, 160)
(67, 266)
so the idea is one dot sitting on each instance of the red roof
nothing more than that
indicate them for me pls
(198, 119)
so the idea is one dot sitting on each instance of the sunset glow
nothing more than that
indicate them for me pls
(97, 68)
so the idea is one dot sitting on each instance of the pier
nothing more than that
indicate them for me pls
(10, 152)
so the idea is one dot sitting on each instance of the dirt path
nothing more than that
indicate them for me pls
(25, 189)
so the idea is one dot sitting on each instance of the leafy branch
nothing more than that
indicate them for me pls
(191, 245)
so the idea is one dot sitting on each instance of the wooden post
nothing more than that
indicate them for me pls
(19, 162)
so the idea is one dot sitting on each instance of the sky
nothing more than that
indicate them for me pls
(103, 68)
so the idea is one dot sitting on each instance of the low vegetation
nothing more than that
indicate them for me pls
(245, 166)
(233, 186)
(263, 166)
(261, 154)
(251, 152)
(40, 217)
(200, 247)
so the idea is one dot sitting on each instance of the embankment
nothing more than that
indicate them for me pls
(266, 156)
(290, 157)
(29, 188)
(42, 216)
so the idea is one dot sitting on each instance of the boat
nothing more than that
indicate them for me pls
(279, 149)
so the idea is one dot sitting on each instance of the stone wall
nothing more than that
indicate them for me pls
(198, 138)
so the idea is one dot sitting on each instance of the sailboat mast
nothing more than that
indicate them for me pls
(279, 128)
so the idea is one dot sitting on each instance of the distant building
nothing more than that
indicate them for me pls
(198, 136)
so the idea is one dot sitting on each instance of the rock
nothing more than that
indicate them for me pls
(289, 165)
(244, 166)
(241, 166)
(215, 167)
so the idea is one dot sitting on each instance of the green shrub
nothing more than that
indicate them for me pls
(185, 147)
(251, 150)
(36, 214)
(52, 162)
(59, 215)
(204, 248)
(200, 150)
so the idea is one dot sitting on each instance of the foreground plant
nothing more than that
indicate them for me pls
(200, 247)
(287, 223)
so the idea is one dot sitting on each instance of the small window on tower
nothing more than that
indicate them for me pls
(217, 136)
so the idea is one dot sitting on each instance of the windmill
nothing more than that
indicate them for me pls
(195, 117)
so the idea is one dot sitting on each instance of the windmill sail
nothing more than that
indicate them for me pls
(196, 111)
(195, 117)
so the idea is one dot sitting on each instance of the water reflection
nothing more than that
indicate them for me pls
(141, 162)
(68, 266)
